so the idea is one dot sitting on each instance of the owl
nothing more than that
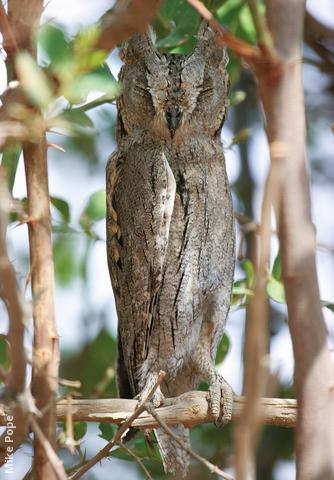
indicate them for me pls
(170, 230)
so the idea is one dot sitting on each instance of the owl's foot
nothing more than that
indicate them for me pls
(157, 398)
(220, 392)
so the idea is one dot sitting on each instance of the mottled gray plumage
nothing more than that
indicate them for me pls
(170, 233)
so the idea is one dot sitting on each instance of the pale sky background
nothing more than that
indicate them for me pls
(76, 190)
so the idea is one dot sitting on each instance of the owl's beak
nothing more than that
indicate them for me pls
(173, 117)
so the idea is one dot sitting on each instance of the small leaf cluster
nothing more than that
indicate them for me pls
(70, 70)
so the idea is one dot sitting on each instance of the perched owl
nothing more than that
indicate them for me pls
(170, 232)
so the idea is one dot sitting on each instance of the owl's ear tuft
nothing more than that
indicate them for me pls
(139, 48)
(207, 47)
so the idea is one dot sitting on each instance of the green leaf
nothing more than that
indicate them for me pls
(137, 446)
(4, 357)
(247, 26)
(19, 211)
(177, 37)
(66, 259)
(103, 69)
(10, 160)
(33, 79)
(78, 90)
(54, 43)
(328, 305)
(107, 431)
(249, 270)
(63, 208)
(277, 268)
(242, 136)
(95, 210)
(83, 46)
(223, 349)
(229, 11)
(237, 97)
(79, 430)
(89, 364)
(275, 290)
(75, 117)
(241, 291)
(186, 20)
(233, 68)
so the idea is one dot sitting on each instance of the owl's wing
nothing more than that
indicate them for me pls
(140, 199)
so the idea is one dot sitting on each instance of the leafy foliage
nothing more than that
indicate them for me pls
(91, 366)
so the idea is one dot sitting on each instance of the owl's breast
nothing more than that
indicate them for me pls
(199, 258)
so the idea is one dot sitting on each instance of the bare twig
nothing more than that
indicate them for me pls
(125, 426)
(10, 44)
(248, 225)
(256, 339)
(320, 37)
(127, 19)
(263, 60)
(55, 462)
(284, 109)
(69, 383)
(69, 440)
(262, 32)
(210, 466)
(14, 302)
(136, 458)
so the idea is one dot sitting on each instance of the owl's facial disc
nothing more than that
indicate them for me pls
(173, 116)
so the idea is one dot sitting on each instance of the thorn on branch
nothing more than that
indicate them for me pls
(57, 147)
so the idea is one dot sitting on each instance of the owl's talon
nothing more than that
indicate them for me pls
(221, 394)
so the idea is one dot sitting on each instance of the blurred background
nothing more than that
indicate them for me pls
(85, 310)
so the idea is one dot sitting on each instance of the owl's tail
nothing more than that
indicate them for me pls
(175, 458)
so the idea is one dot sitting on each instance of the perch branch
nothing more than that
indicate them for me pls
(190, 409)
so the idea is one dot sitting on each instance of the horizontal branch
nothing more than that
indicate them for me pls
(190, 409)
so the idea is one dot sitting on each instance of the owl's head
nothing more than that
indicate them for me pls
(174, 96)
